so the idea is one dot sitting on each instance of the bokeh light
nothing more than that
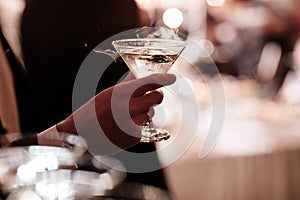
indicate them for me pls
(215, 2)
(173, 17)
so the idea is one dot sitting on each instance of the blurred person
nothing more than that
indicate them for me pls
(240, 29)
(56, 36)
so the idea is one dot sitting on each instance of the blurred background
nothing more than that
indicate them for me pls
(246, 38)
(255, 46)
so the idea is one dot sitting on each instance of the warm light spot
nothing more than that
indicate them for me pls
(269, 61)
(25, 173)
(106, 181)
(215, 2)
(173, 17)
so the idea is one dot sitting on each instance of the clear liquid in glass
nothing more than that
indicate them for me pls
(146, 62)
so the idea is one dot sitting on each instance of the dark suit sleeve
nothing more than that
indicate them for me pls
(28, 140)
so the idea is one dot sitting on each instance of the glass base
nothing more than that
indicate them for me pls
(153, 134)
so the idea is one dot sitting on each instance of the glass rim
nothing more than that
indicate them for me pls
(175, 43)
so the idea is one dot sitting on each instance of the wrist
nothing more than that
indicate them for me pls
(66, 126)
(49, 137)
(53, 137)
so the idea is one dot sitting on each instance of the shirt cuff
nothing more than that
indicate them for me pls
(50, 137)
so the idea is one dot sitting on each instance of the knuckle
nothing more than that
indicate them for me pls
(145, 117)
(140, 119)
(134, 106)
(156, 97)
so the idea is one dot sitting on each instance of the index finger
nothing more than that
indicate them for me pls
(142, 85)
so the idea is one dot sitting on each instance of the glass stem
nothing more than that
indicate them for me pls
(148, 128)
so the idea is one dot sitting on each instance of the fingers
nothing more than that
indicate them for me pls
(142, 107)
(151, 112)
(145, 102)
(152, 82)
(140, 119)
(136, 95)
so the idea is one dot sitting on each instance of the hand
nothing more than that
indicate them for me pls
(112, 106)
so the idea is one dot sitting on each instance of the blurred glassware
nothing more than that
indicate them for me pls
(56, 172)
(19, 166)
(128, 190)
(43, 172)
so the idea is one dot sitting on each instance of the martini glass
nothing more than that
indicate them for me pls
(146, 56)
